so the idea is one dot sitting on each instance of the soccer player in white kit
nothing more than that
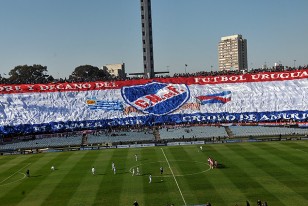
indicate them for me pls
(133, 172)
(136, 157)
(52, 168)
(137, 171)
(150, 178)
(112, 166)
(93, 170)
(114, 170)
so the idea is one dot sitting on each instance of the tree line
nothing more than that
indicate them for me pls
(36, 74)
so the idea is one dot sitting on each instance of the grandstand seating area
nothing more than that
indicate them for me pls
(192, 132)
(120, 137)
(244, 131)
(165, 133)
(43, 143)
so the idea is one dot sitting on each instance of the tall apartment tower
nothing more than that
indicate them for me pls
(232, 53)
(147, 38)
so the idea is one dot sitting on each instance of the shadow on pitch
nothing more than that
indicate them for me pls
(36, 176)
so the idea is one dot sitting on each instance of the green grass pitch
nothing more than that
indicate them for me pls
(276, 172)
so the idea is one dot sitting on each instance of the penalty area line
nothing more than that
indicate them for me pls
(174, 177)
(14, 173)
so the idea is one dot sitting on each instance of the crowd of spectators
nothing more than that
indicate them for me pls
(238, 72)
(114, 78)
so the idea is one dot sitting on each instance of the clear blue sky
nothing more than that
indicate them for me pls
(64, 34)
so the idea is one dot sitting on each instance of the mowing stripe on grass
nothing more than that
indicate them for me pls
(50, 178)
(276, 175)
(196, 188)
(110, 188)
(287, 157)
(174, 177)
(86, 191)
(300, 145)
(132, 187)
(297, 183)
(158, 192)
(14, 164)
(208, 183)
(229, 178)
(71, 175)
(14, 174)
(17, 193)
(239, 175)
(6, 160)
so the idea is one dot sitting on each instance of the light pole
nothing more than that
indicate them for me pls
(211, 68)
(185, 68)
(294, 63)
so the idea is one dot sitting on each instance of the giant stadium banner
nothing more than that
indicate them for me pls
(58, 107)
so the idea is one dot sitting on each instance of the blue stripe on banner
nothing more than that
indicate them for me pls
(219, 94)
(149, 120)
(211, 101)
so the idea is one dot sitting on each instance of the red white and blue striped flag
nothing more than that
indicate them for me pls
(222, 97)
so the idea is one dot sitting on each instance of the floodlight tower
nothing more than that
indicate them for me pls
(147, 38)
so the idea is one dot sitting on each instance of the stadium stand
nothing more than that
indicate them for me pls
(192, 132)
(120, 137)
(244, 131)
(166, 134)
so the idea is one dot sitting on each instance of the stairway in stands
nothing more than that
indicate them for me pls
(229, 132)
(156, 133)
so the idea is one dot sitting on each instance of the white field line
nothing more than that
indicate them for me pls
(14, 173)
(24, 176)
(301, 150)
(174, 177)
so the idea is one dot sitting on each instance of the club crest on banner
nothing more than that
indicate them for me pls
(156, 98)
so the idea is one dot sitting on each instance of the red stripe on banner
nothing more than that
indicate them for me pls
(200, 80)
(223, 99)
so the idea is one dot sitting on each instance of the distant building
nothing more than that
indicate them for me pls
(116, 70)
(232, 53)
